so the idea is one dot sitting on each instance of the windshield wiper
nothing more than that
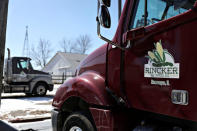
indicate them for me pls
(165, 11)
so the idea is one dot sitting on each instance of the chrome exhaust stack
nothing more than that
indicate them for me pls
(8, 53)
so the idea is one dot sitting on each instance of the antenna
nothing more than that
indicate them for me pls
(26, 52)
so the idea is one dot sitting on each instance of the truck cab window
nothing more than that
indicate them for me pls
(23, 64)
(158, 10)
(139, 18)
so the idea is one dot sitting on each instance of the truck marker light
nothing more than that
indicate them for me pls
(161, 64)
(180, 97)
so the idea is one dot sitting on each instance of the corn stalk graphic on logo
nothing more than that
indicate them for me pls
(158, 56)
(161, 64)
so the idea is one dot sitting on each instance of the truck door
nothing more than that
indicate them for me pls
(20, 69)
(160, 68)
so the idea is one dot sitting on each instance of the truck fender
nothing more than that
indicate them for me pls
(89, 87)
(45, 79)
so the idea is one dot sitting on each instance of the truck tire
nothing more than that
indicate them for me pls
(40, 89)
(77, 122)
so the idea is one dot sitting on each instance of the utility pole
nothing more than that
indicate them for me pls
(119, 8)
(3, 25)
(26, 44)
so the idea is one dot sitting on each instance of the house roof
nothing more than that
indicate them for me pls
(73, 58)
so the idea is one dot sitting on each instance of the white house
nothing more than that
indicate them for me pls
(63, 64)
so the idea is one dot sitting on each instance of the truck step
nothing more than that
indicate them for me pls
(16, 88)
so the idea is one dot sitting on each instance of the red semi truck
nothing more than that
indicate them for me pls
(143, 79)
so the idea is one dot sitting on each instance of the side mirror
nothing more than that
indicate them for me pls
(106, 2)
(104, 17)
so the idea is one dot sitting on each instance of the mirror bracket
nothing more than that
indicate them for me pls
(104, 38)
(106, 2)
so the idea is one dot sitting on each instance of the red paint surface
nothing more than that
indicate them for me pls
(103, 119)
(111, 120)
(89, 85)
(178, 36)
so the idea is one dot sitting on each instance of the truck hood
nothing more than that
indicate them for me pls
(38, 72)
(94, 61)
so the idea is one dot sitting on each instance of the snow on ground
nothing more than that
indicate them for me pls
(44, 125)
(17, 106)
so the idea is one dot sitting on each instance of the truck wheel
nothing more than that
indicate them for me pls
(77, 122)
(40, 89)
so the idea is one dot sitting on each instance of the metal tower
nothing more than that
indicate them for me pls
(26, 52)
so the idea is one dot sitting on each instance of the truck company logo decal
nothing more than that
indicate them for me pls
(161, 64)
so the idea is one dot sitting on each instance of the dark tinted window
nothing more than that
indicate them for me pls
(158, 10)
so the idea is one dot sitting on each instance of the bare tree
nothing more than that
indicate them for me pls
(83, 44)
(42, 52)
(66, 45)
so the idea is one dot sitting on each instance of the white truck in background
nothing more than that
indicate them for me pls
(20, 77)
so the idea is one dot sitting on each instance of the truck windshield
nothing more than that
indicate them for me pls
(24, 64)
(158, 10)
